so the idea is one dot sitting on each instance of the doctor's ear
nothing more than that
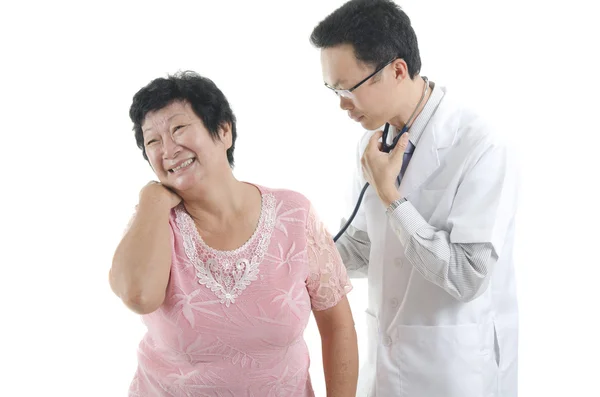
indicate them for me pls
(400, 69)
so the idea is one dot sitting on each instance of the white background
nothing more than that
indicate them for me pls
(71, 171)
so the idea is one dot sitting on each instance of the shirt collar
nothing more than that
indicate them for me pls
(418, 126)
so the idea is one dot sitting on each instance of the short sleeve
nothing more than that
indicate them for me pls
(486, 201)
(328, 281)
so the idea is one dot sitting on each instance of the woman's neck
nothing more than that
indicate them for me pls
(221, 203)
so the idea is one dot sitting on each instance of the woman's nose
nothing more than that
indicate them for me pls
(170, 147)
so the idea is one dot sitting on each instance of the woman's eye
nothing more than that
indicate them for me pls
(150, 142)
(177, 128)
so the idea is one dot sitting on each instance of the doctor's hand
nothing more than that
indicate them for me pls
(381, 169)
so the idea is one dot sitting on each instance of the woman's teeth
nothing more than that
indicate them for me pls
(183, 165)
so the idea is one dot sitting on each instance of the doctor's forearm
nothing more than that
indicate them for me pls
(462, 270)
(354, 247)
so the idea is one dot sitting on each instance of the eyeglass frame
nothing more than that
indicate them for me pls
(348, 93)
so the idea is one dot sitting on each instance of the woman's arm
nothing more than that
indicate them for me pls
(340, 349)
(141, 265)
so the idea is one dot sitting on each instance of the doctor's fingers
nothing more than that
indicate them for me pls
(400, 148)
(374, 140)
(365, 162)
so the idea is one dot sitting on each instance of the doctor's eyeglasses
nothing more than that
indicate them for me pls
(348, 93)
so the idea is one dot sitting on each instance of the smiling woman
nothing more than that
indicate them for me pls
(180, 148)
(224, 273)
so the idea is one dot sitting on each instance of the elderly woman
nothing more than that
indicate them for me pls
(224, 273)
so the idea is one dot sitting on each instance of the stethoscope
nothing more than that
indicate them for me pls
(385, 147)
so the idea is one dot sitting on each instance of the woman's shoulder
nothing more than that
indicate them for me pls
(287, 197)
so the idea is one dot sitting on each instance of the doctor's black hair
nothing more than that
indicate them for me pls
(205, 98)
(378, 30)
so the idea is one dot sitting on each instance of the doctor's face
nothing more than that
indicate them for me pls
(368, 103)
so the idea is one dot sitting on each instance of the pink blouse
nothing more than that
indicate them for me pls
(232, 322)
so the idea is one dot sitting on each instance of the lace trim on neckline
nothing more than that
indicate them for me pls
(228, 273)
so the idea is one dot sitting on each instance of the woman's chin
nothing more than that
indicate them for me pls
(183, 184)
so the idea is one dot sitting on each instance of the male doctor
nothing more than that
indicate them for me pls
(435, 231)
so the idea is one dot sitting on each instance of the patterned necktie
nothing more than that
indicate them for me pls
(410, 148)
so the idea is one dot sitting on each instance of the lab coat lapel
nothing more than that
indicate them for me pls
(424, 161)
(438, 134)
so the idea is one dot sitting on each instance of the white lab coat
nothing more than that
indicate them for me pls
(423, 342)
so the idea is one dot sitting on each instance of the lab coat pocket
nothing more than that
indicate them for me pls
(442, 361)
(506, 353)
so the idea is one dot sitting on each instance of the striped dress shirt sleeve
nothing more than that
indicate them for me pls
(462, 270)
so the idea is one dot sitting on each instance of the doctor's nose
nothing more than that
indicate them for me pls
(346, 103)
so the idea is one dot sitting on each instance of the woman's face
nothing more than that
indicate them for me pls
(180, 149)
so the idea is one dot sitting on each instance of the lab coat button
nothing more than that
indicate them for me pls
(387, 341)
(398, 262)
(394, 302)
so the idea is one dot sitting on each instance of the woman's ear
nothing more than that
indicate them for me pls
(225, 135)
